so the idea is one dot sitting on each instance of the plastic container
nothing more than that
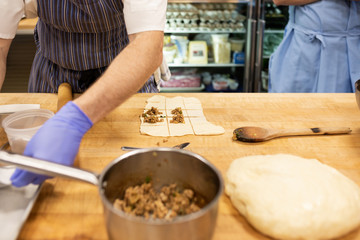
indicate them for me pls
(220, 84)
(220, 37)
(198, 52)
(221, 48)
(169, 52)
(181, 43)
(239, 57)
(237, 45)
(21, 126)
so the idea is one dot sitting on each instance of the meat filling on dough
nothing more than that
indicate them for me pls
(178, 116)
(152, 115)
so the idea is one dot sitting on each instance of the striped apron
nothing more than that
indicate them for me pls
(76, 40)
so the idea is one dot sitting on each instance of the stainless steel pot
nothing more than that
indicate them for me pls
(357, 92)
(164, 166)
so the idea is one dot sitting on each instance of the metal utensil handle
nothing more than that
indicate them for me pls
(48, 168)
(125, 148)
(180, 146)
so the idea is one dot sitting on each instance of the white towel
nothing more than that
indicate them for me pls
(165, 71)
(162, 73)
(11, 108)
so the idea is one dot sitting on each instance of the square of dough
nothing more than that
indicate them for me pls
(194, 113)
(197, 120)
(156, 98)
(202, 127)
(155, 130)
(192, 103)
(172, 103)
(159, 105)
(193, 106)
(191, 100)
(180, 129)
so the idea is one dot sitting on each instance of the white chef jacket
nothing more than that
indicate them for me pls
(140, 15)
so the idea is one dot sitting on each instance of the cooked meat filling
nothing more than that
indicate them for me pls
(143, 200)
(153, 111)
(152, 115)
(178, 116)
(152, 119)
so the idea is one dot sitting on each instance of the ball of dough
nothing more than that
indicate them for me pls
(289, 197)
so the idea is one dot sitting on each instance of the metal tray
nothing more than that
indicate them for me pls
(15, 206)
(15, 203)
(183, 89)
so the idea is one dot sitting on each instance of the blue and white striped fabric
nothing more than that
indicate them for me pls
(320, 51)
(76, 40)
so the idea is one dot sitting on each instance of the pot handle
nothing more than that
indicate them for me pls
(48, 168)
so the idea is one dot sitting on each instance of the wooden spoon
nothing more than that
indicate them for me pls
(259, 134)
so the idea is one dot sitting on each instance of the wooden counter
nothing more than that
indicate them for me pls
(26, 26)
(68, 209)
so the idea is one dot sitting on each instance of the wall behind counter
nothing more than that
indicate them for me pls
(20, 58)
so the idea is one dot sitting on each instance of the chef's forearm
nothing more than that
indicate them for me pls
(124, 77)
(293, 2)
(4, 49)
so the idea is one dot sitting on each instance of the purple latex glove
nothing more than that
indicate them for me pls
(58, 141)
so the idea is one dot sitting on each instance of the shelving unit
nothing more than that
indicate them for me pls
(276, 19)
(232, 70)
(205, 31)
(208, 1)
(209, 65)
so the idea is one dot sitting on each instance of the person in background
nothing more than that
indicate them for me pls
(320, 51)
(107, 49)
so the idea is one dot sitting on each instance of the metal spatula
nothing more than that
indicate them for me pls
(179, 146)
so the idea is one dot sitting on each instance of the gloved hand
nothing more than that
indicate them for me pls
(58, 141)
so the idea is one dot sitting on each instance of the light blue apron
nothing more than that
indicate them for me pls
(76, 40)
(320, 51)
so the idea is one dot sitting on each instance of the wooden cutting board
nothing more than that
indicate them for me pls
(67, 209)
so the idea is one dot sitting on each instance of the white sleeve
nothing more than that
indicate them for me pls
(30, 8)
(144, 15)
(11, 12)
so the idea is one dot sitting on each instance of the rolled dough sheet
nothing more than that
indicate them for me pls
(195, 121)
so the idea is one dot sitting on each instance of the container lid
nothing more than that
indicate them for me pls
(26, 120)
(223, 37)
(236, 40)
